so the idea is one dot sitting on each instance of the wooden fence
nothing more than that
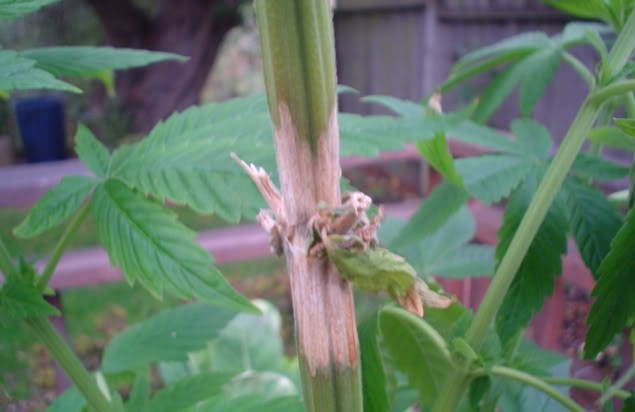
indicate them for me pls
(406, 48)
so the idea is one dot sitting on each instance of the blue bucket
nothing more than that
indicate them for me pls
(41, 123)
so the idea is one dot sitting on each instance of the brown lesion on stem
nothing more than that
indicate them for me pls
(322, 300)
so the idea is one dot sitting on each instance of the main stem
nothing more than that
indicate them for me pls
(62, 354)
(296, 38)
(457, 381)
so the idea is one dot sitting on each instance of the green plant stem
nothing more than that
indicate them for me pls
(67, 360)
(612, 90)
(629, 104)
(584, 384)
(61, 246)
(623, 46)
(298, 55)
(457, 380)
(603, 119)
(543, 198)
(580, 68)
(532, 381)
(5, 261)
(617, 386)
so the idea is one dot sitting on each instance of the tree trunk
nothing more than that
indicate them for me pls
(296, 38)
(193, 28)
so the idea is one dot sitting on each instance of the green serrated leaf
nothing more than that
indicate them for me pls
(417, 350)
(11, 9)
(621, 137)
(590, 9)
(626, 125)
(478, 389)
(167, 336)
(614, 308)
(70, 401)
(539, 68)
(20, 298)
(187, 158)
(255, 402)
(465, 261)
(444, 201)
(55, 206)
(533, 137)
(593, 219)
(145, 240)
(470, 132)
(460, 74)
(534, 360)
(529, 41)
(629, 404)
(403, 108)
(535, 278)
(93, 62)
(139, 394)
(492, 177)
(251, 343)
(437, 153)
(19, 73)
(443, 252)
(374, 383)
(597, 168)
(498, 90)
(91, 151)
(188, 392)
(369, 135)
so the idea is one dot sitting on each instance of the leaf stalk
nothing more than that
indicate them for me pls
(65, 357)
(61, 246)
(529, 380)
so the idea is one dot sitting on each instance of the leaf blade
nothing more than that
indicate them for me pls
(167, 336)
(55, 206)
(437, 153)
(542, 263)
(91, 151)
(613, 308)
(593, 219)
(417, 350)
(149, 245)
(492, 177)
(20, 299)
(19, 73)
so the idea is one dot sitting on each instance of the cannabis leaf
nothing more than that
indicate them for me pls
(374, 383)
(530, 59)
(188, 392)
(55, 206)
(93, 62)
(417, 350)
(19, 73)
(535, 278)
(91, 152)
(19, 298)
(593, 219)
(10, 9)
(614, 308)
(144, 239)
(167, 336)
